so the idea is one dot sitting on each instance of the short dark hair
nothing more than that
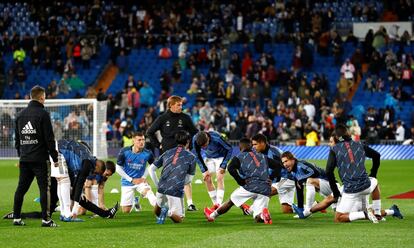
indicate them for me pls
(202, 138)
(182, 137)
(288, 155)
(109, 165)
(36, 92)
(245, 144)
(100, 166)
(260, 138)
(137, 133)
(341, 131)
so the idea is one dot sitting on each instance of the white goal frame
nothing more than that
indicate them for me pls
(99, 144)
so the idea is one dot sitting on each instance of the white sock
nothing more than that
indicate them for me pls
(220, 196)
(151, 198)
(214, 215)
(389, 212)
(189, 202)
(356, 216)
(65, 196)
(15, 220)
(307, 212)
(94, 195)
(376, 206)
(310, 196)
(59, 194)
(213, 196)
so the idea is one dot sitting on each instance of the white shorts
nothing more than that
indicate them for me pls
(213, 164)
(95, 194)
(286, 190)
(175, 204)
(241, 195)
(128, 193)
(325, 188)
(61, 170)
(354, 202)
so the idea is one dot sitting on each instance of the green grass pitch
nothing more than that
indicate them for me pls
(138, 229)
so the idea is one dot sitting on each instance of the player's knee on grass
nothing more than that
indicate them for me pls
(258, 219)
(176, 218)
(273, 191)
(341, 217)
(157, 210)
(126, 209)
(286, 208)
(81, 211)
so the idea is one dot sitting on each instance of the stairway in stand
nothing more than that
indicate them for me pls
(106, 77)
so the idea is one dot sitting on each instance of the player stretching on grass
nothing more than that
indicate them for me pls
(308, 174)
(328, 201)
(250, 169)
(178, 169)
(131, 166)
(285, 188)
(217, 153)
(349, 157)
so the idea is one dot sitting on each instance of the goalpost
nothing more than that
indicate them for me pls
(75, 119)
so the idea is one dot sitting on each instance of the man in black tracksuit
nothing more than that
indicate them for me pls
(34, 141)
(169, 123)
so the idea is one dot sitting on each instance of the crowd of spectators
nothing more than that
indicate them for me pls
(237, 95)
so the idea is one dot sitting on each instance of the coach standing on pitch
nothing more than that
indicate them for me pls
(34, 141)
(169, 123)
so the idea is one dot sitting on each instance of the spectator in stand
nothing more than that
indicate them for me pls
(311, 136)
(372, 136)
(355, 130)
(164, 52)
(52, 90)
(130, 82)
(176, 72)
(400, 132)
(310, 109)
(380, 38)
(343, 87)
(182, 54)
(247, 64)
(235, 132)
(348, 72)
(63, 87)
(77, 53)
(35, 57)
(147, 95)
(86, 54)
(231, 94)
(75, 83)
(202, 57)
(133, 102)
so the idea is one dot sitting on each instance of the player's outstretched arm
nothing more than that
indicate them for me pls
(120, 170)
(330, 167)
(151, 171)
(376, 158)
(233, 168)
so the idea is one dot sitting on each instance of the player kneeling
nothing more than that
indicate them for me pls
(131, 166)
(178, 169)
(250, 170)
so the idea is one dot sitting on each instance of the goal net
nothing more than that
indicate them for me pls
(73, 119)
